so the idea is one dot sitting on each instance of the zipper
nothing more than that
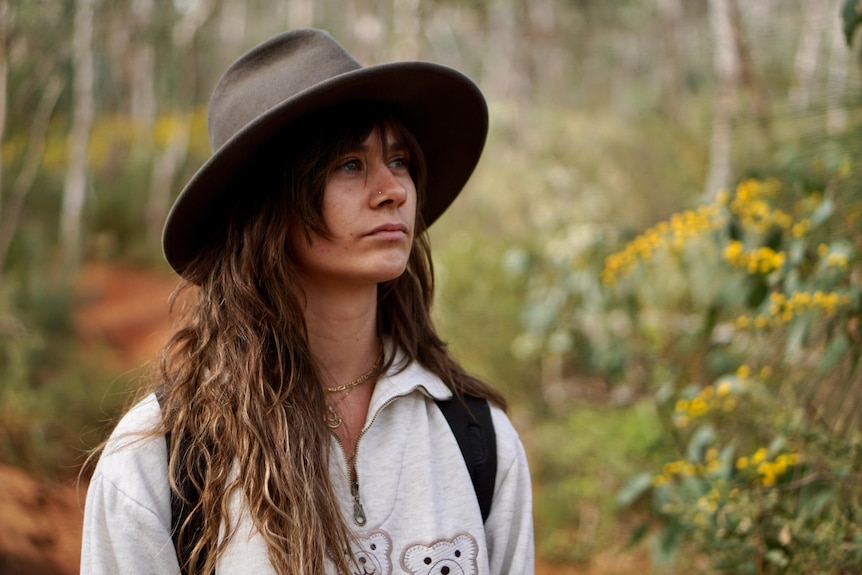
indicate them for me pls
(358, 511)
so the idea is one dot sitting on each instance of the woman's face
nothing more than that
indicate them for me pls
(369, 207)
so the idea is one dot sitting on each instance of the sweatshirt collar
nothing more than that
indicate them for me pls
(414, 377)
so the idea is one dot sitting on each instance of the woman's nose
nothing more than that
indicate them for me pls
(387, 186)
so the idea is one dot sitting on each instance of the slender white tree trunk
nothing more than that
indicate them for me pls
(75, 188)
(171, 159)
(5, 16)
(726, 69)
(11, 217)
(500, 62)
(672, 41)
(232, 25)
(142, 106)
(805, 65)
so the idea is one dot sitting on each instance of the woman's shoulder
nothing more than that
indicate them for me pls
(134, 459)
(509, 446)
(129, 495)
(137, 425)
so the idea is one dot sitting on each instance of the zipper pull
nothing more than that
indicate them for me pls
(358, 511)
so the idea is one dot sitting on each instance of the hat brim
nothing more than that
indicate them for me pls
(443, 108)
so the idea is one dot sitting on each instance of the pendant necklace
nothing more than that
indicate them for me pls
(332, 418)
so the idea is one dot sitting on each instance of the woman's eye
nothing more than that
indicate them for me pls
(350, 166)
(401, 162)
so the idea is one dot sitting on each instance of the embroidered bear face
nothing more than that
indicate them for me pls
(372, 555)
(455, 556)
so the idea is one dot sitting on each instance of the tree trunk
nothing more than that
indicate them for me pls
(172, 158)
(5, 16)
(499, 62)
(814, 25)
(747, 77)
(544, 61)
(75, 188)
(672, 44)
(11, 217)
(142, 106)
(725, 66)
(232, 24)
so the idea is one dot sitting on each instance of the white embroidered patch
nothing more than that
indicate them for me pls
(372, 555)
(455, 556)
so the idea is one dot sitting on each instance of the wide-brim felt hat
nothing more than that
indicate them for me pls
(297, 73)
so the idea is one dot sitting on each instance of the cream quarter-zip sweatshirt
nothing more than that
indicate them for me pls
(421, 515)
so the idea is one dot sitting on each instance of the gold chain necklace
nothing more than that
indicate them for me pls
(362, 378)
(332, 418)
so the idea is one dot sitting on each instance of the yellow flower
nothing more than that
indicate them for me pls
(759, 456)
(732, 251)
(742, 463)
(837, 260)
(698, 406)
(743, 372)
(724, 388)
(800, 228)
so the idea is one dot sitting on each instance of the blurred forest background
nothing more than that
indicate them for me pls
(657, 258)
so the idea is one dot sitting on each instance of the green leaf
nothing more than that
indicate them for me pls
(632, 491)
(777, 557)
(814, 506)
(638, 533)
(665, 547)
(851, 14)
(826, 208)
(703, 437)
(837, 349)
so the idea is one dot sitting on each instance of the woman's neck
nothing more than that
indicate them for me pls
(342, 333)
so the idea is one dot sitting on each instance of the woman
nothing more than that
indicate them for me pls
(300, 394)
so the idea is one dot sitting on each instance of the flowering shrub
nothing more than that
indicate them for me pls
(768, 419)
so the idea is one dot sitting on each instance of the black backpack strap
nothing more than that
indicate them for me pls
(182, 503)
(473, 429)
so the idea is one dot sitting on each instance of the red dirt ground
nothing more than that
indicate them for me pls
(124, 309)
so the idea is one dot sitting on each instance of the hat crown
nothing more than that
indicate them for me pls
(268, 75)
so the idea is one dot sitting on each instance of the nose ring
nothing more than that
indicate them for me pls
(379, 193)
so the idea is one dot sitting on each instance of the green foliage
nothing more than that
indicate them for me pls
(50, 396)
(578, 463)
(764, 396)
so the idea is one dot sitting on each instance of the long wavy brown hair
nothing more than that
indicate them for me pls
(240, 382)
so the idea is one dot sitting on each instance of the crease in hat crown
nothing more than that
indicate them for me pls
(270, 74)
(304, 71)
